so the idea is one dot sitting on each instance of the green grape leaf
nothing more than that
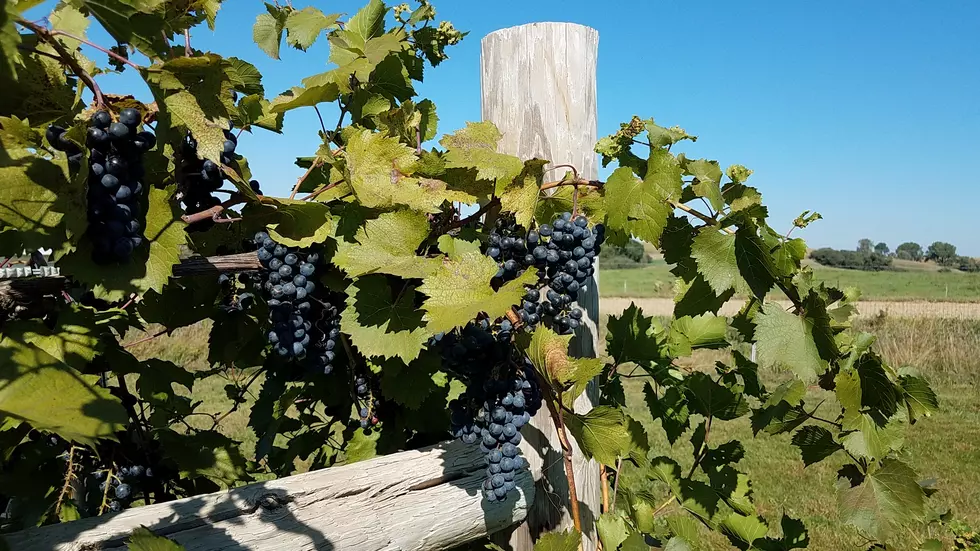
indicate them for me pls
(636, 542)
(280, 409)
(457, 248)
(196, 297)
(548, 352)
(267, 30)
(631, 337)
(755, 262)
(67, 18)
(714, 252)
(919, 397)
(387, 245)
(708, 184)
(795, 536)
(136, 22)
(815, 443)
(559, 541)
(236, 339)
(602, 433)
(299, 96)
(779, 413)
(9, 40)
(377, 169)
(182, 110)
(636, 207)
(254, 110)
(886, 500)
(367, 23)
(149, 268)
(460, 290)
(243, 77)
(707, 397)
(697, 298)
(142, 539)
(521, 196)
(676, 544)
(612, 529)
(294, 223)
(410, 385)
(207, 454)
(475, 147)
(671, 409)
(743, 530)
(785, 340)
(74, 340)
(740, 197)
(640, 446)
(39, 203)
(662, 137)
(381, 324)
(304, 26)
(559, 200)
(44, 391)
(688, 334)
(868, 436)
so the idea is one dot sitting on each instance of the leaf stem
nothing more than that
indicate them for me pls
(319, 116)
(619, 470)
(703, 449)
(69, 475)
(66, 57)
(324, 189)
(604, 480)
(145, 339)
(566, 448)
(314, 165)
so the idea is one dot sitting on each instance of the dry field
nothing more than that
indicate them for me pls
(658, 306)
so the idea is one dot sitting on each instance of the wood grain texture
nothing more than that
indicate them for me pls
(427, 499)
(539, 88)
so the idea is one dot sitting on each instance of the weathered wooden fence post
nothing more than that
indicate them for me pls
(538, 86)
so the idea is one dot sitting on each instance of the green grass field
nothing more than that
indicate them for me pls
(919, 282)
(943, 447)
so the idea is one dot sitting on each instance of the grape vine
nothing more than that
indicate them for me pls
(404, 292)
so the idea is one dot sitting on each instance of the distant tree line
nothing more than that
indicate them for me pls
(632, 255)
(878, 256)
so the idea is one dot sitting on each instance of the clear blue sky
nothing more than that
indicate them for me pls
(866, 111)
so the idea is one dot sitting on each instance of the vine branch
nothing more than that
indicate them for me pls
(67, 58)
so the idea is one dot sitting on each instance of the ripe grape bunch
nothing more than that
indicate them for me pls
(114, 188)
(569, 249)
(563, 253)
(491, 413)
(302, 326)
(201, 178)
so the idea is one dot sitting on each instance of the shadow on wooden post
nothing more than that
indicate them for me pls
(538, 86)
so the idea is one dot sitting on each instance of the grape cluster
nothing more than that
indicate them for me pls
(475, 346)
(114, 189)
(122, 487)
(288, 282)
(508, 245)
(492, 414)
(368, 407)
(201, 178)
(304, 327)
(563, 253)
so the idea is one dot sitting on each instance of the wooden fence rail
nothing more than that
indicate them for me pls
(427, 499)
